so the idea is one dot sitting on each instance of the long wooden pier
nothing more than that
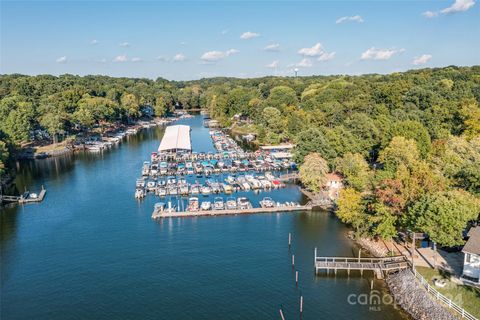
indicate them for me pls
(176, 214)
(380, 266)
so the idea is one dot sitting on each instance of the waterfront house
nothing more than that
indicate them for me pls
(333, 185)
(471, 261)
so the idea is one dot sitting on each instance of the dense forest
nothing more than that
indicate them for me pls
(407, 144)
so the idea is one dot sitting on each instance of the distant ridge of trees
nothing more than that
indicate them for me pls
(406, 143)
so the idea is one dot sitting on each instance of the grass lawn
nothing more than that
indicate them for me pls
(465, 296)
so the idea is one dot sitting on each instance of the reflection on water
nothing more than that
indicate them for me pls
(90, 251)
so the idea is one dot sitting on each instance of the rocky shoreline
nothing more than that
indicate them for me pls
(414, 299)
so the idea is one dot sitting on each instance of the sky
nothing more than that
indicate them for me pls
(186, 40)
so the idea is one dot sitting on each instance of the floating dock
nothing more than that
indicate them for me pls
(177, 214)
(25, 198)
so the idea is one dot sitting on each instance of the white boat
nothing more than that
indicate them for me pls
(162, 192)
(193, 204)
(151, 185)
(206, 205)
(183, 189)
(139, 193)
(140, 183)
(230, 179)
(195, 189)
(267, 202)
(243, 203)
(227, 188)
(269, 176)
(172, 190)
(218, 203)
(206, 190)
(231, 204)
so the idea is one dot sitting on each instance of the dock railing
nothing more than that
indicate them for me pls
(437, 295)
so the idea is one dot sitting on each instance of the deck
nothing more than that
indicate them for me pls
(379, 266)
(164, 214)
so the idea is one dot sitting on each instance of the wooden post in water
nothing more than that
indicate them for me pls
(301, 305)
(296, 277)
(293, 260)
(289, 239)
(281, 313)
(359, 254)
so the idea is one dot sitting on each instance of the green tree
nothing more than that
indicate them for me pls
(350, 209)
(313, 140)
(130, 104)
(282, 96)
(399, 151)
(355, 171)
(53, 123)
(444, 216)
(313, 172)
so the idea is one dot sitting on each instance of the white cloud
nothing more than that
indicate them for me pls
(304, 63)
(179, 57)
(183, 43)
(224, 32)
(121, 58)
(314, 51)
(430, 14)
(424, 58)
(94, 42)
(355, 18)
(162, 58)
(379, 54)
(136, 59)
(273, 64)
(325, 56)
(214, 56)
(457, 6)
(249, 35)
(61, 59)
(272, 47)
(124, 44)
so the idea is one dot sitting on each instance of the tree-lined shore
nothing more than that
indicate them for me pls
(406, 144)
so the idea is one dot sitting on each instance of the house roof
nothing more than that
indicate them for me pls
(473, 243)
(175, 138)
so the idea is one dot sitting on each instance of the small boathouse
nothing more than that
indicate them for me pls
(176, 140)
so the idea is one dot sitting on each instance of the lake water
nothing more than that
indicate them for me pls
(91, 251)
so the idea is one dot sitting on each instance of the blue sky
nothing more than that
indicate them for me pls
(190, 40)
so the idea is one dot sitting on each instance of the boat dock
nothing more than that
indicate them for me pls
(27, 197)
(199, 213)
(380, 266)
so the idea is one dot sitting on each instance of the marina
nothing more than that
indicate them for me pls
(163, 257)
(175, 171)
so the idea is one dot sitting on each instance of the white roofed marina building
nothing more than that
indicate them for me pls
(176, 140)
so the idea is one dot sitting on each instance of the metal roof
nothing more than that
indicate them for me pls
(473, 243)
(176, 138)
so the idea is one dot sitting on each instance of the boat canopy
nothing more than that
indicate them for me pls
(176, 138)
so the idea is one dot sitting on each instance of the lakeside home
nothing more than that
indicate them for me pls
(471, 262)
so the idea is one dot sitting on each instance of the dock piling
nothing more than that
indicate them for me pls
(293, 260)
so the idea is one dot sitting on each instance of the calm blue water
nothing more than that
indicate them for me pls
(90, 251)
